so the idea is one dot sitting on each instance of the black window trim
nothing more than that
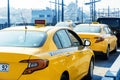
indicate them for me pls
(75, 35)
(58, 39)
(69, 37)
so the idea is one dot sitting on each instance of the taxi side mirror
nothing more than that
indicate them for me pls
(86, 43)
(114, 32)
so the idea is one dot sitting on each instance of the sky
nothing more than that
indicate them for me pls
(42, 4)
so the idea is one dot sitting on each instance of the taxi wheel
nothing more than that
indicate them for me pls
(64, 77)
(115, 50)
(106, 56)
(90, 72)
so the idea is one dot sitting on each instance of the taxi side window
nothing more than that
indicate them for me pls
(57, 41)
(76, 41)
(106, 30)
(110, 31)
(63, 38)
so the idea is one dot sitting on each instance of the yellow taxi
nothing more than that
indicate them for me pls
(47, 53)
(101, 37)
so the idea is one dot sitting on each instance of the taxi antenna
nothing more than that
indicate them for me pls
(23, 19)
(25, 26)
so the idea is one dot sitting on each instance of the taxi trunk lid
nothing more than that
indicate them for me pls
(10, 66)
(92, 37)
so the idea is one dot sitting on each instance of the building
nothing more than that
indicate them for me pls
(46, 14)
(109, 12)
(3, 22)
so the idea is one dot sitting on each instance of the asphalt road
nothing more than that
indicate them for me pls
(101, 66)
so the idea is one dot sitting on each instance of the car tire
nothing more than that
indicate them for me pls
(115, 50)
(64, 77)
(107, 54)
(90, 72)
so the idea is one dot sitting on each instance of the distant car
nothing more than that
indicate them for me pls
(103, 41)
(48, 53)
(66, 24)
(114, 24)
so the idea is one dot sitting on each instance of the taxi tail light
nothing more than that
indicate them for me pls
(34, 65)
(98, 39)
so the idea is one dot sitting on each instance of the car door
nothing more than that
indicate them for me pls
(71, 55)
(111, 37)
(80, 55)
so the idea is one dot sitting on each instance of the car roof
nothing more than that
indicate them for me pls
(65, 23)
(99, 25)
(33, 28)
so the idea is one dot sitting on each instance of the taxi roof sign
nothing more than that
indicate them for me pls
(40, 21)
(95, 22)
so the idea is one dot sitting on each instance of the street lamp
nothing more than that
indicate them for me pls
(8, 8)
(62, 10)
(92, 8)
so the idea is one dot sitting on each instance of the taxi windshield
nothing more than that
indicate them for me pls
(22, 38)
(88, 29)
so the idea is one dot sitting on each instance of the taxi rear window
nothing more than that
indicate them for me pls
(91, 29)
(62, 24)
(22, 38)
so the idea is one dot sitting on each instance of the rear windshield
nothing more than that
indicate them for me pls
(22, 38)
(89, 29)
(61, 24)
(65, 24)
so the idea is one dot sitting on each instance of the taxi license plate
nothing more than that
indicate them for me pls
(4, 67)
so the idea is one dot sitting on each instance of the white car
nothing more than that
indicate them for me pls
(66, 24)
